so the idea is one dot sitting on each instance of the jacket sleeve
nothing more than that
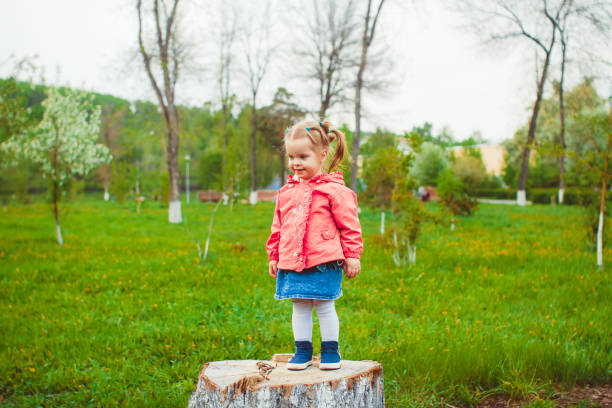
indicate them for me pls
(344, 211)
(274, 239)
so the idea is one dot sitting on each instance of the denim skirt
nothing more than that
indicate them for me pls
(323, 281)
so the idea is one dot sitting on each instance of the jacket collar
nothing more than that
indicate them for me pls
(335, 177)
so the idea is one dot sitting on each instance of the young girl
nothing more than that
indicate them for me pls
(315, 235)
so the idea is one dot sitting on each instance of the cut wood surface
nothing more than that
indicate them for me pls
(240, 383)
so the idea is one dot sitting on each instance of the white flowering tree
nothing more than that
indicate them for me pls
(64, 143)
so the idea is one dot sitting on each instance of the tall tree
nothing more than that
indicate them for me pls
(596, 130)
(163, 68)
(563, 37)
(331, 32)
(592, 19)
(533, 22)
(369, 28)
(277, 117)
(258, 51)
(113, 121)
(64, 143)
(227, 35)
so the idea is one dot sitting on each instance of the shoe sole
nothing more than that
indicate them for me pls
(297, 367)
(329, 366)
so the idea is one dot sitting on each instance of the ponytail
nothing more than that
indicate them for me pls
(340, 150)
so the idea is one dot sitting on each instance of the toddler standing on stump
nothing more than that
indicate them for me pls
(315, 235)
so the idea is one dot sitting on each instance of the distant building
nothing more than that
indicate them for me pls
(492, 156)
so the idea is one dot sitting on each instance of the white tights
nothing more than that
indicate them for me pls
(302, 319)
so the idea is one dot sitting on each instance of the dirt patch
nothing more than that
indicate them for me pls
(585, 396)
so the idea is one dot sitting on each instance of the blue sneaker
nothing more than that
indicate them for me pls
(330, 357)
(302, 357)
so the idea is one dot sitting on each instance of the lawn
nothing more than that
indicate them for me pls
(126, 313)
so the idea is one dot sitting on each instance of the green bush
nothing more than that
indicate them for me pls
(542, 195)
(429, 163)
(453, 196)
(572, 196)
(472, 172)
(210, 171)
(122, 180)
(497, 193)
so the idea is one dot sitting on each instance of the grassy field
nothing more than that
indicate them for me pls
(125, 313)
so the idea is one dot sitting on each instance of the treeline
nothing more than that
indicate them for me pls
(585, 137)
(135, 134)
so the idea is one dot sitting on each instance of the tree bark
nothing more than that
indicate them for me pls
(562, 117)
(602, 203)
(169, 64)
(521, 196)
(239, 383)
(357, 138)
(366, 41)
(258, 57)
(106, 193)
(532, 127)
(56, 187)
(254, 145)
(58, 230)
(283, 167)
(224, 157)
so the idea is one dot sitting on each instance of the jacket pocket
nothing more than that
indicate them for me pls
(327, 234)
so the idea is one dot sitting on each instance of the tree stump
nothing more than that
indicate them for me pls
(241, 384)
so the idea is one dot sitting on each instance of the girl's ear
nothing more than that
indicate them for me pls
(324, 154)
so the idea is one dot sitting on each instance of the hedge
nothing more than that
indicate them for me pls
(571, 196)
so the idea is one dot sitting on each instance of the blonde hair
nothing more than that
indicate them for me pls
(321, 134)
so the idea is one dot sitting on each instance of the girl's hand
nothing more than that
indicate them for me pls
(272, 269)
(352, 267)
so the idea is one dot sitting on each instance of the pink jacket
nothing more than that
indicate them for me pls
(314, 222)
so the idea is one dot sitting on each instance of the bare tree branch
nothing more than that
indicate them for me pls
(169, 59)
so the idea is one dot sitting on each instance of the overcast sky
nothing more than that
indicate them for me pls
(441, 73)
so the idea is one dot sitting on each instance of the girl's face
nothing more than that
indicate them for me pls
(305, 160)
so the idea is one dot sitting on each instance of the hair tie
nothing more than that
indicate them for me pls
(286, 131)
(308, 128)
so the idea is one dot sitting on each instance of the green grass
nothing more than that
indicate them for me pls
(125, 314)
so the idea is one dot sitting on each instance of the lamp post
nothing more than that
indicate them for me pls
(187, 158)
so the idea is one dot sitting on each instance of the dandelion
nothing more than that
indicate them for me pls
(32, 370)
